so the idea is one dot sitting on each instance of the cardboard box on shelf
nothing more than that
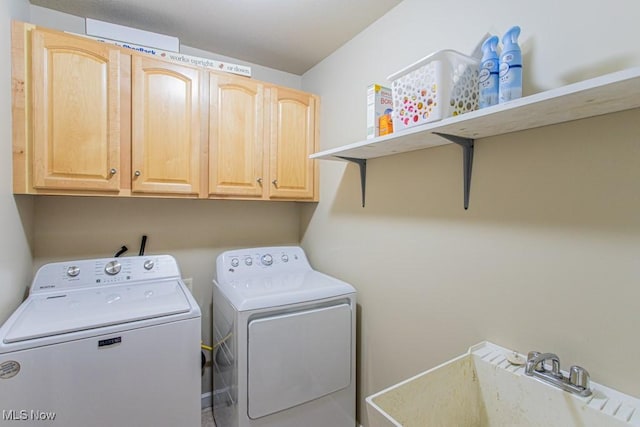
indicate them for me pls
(379, 104)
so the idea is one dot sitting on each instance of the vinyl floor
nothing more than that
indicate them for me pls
(207, 418)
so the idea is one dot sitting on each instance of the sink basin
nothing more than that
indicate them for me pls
(481, 388)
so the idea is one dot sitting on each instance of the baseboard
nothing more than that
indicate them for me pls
(205, 400)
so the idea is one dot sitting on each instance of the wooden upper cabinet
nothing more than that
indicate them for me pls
(293, 138)
(91, 118)
(76, 113)
(166, 139)
(236, 136)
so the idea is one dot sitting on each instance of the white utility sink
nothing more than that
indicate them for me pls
(482, 389)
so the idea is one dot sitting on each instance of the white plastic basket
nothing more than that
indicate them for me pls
(443, 84)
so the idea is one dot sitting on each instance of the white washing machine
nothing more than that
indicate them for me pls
(285, 342)
(103, 342)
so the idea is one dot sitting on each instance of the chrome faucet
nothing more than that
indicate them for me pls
(535, 361)
(576, 383)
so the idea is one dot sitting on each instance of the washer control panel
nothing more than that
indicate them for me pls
(240, 263)
(103, 271)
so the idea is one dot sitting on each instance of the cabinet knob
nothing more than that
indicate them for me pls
(137, 173)
(275, 183)
(113, 171)
(259, 181)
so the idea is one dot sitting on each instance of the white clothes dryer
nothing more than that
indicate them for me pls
(285, 342)
(103, 342)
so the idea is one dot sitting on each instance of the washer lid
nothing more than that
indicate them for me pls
(282, 289)
(43, 315)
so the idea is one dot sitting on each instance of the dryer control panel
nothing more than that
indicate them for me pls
(237, 264)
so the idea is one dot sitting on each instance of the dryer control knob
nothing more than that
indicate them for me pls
(266, 259)
(248, 261)
(285, 257)
(148, 264)
(112, 268)
(73, 271)
(235, 262)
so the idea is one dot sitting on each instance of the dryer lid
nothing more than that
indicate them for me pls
(44, 315)
(282, 289)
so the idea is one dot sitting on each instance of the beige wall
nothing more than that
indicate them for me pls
(16, 214)
(546, 257)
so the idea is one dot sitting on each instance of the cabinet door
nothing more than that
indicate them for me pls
(76, 113)
(293, 136)
(236, 136)
(166, 138)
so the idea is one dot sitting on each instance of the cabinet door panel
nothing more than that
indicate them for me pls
(166, 128)
(76, 113)
(236, 140)
(293, 140)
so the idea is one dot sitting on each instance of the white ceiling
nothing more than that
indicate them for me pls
(288, 35)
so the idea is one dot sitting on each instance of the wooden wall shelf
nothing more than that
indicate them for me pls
(606, 94)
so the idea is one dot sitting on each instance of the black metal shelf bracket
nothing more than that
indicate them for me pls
(362, 163)
(467, 152)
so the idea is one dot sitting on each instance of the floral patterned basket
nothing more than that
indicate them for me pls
(441, 85)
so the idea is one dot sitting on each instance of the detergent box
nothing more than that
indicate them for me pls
(379, 108)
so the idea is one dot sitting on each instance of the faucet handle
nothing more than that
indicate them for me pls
(532, 355)
(579, 377)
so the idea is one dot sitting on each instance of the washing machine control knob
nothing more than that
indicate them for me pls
(285, 257)
(112, 268)
(248, 261)
(266, 259)
(73, 271)
(148, 264)
(235, 262)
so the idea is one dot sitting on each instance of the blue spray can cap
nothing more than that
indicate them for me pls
(489, 48)
(510, 39)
